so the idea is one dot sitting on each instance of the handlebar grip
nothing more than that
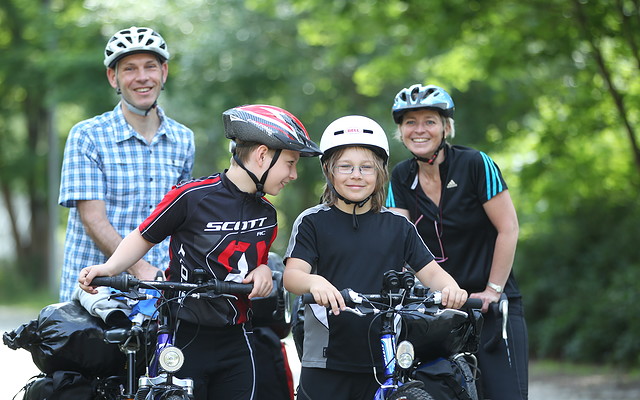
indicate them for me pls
(233, 287)
(119, 282)
(307, 298)
(473, 303)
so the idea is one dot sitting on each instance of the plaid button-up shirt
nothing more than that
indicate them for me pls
(105, 159)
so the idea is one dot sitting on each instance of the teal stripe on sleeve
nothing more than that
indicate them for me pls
(494, 184)
(391, 201)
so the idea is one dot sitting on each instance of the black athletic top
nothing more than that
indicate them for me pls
(469, 179)
(324, 237)
(218, 228)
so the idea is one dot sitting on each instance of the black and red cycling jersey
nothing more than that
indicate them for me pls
(215, 227)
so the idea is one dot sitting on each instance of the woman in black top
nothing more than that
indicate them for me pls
(458, 200)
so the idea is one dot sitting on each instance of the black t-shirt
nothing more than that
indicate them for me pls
(469, 179)
(217, 228)
(352, 258)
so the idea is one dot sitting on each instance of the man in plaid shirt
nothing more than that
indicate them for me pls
(117, 166)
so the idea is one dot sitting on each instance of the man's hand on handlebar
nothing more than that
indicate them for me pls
(145, 271)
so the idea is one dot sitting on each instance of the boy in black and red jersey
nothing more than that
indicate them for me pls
(223, 225)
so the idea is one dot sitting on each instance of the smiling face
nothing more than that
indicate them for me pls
(422, 131)
(140, 78)
(282, 172)
(354, 175)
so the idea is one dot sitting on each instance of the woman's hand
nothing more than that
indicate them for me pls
(488, 296)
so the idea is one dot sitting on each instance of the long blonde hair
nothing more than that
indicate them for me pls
(379, 195)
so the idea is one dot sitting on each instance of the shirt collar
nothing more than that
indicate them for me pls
(124, 131)
(443, 168)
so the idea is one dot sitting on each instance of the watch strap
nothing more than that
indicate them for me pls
(495, 287)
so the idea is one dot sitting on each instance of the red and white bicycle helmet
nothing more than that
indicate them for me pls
(272, 126)
(269, 125)
(354, 130)
(134, 40)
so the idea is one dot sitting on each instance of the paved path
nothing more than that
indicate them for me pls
(16, 368)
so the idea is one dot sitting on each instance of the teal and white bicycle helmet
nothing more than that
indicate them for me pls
(418, 96)
(134, 40)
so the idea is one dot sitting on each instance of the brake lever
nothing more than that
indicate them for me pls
(354, 311)
(211, 295)
(132, 294)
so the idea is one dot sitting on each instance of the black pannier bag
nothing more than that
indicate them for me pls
(438, 333)
(444, 380)
(61, 385)
(65, 337)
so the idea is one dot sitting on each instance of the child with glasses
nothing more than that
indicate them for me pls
(349, 241)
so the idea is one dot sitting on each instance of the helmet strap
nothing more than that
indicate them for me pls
(432, 159)
(258, 182)
(356, 205)
(137, 110)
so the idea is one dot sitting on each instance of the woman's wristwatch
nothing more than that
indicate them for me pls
(495, 287)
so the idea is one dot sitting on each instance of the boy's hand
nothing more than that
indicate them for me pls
(262, 281)
(88, 273)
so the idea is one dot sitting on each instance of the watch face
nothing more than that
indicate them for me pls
(495, 287)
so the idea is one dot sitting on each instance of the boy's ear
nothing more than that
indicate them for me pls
(261, 154)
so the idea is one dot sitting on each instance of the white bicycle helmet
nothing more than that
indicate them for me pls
(134, 40)
(354, 130)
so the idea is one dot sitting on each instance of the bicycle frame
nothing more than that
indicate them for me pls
(388, 343)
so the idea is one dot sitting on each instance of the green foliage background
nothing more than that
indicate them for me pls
(550, 89)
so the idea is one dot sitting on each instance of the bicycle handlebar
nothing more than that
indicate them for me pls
(127, 282)
(353, 299)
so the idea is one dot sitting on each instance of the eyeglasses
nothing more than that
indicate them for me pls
(439, 231)
(346, 169)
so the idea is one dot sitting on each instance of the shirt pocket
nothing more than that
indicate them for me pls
(123, 179)
(168, 173)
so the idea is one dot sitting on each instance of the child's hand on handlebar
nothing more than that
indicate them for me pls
(325, 294)
(262, 281)
(453, 297)
(88, 273)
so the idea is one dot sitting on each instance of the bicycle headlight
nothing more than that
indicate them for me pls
(171, 359)
(405, 354)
